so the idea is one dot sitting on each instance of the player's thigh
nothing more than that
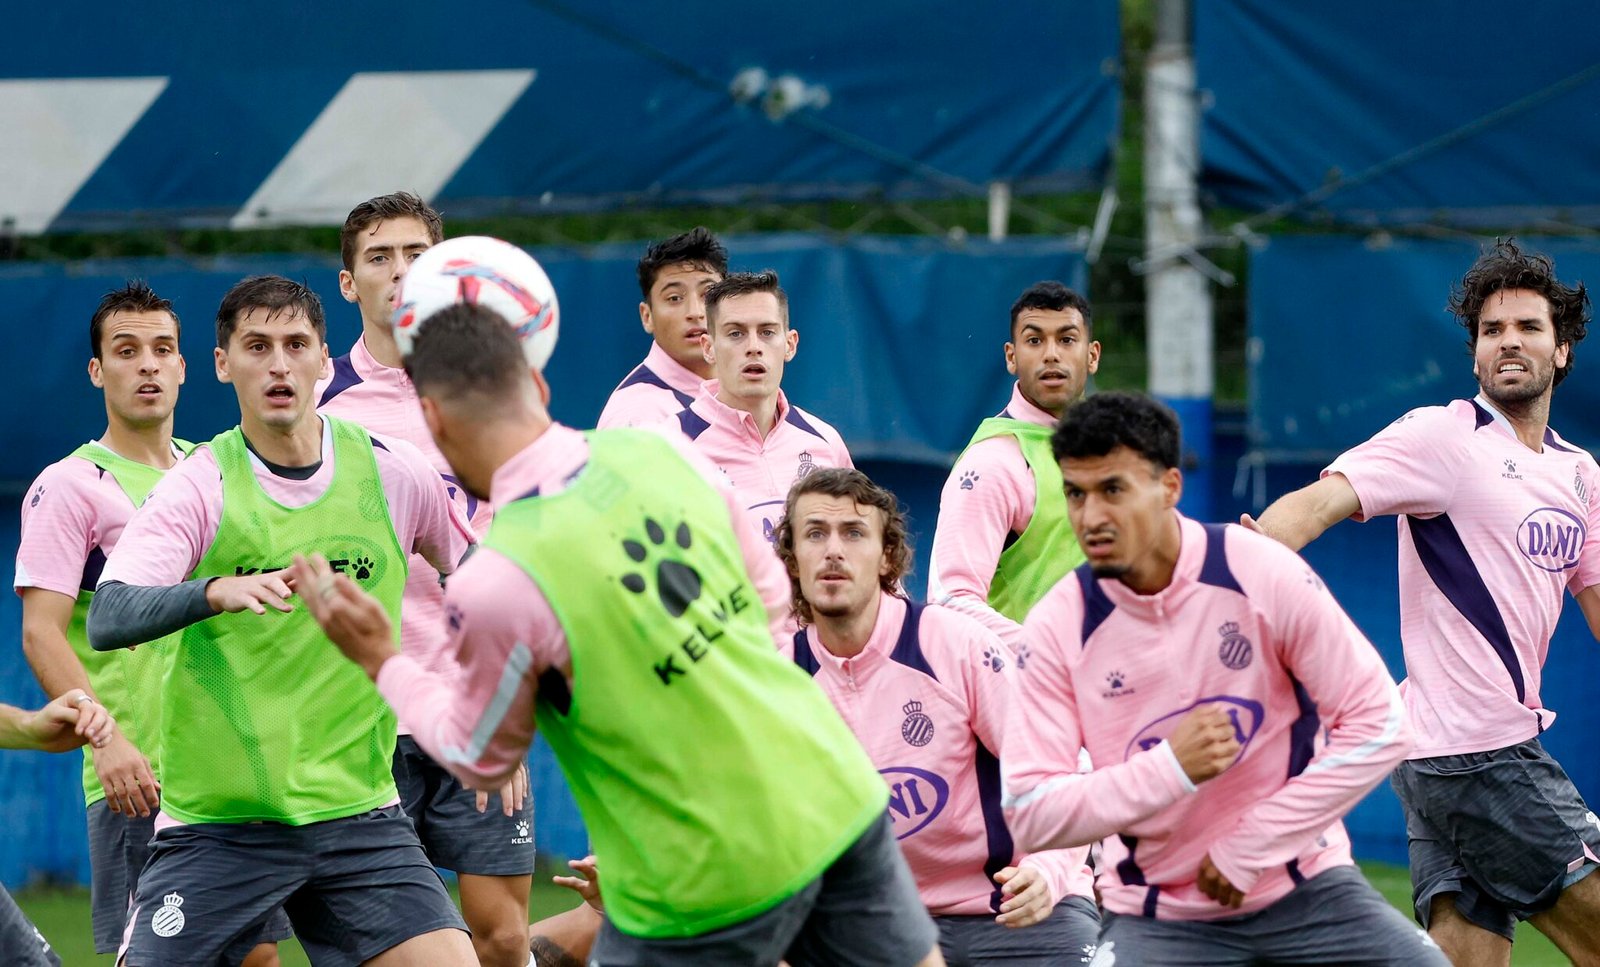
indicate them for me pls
(437, 948)
(1337, 917)
(1574, 922)
(208, 892)
(458, 837)
(868, 911)
(1515, 818)
(1067, 937)
(1466, 943)
(119, 846)
(372, 890)
(1128, 939)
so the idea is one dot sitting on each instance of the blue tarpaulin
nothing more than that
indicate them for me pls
(1462, 111)
(249, 114)
(1347, 334)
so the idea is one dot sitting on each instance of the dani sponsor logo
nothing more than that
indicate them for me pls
(916, 798)
(1551, 538)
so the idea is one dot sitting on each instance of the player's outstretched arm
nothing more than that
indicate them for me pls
(1589, 603)
(126, 615)
(69, 721)
(1296, 519)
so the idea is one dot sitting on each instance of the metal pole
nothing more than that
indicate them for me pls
(1178, 295)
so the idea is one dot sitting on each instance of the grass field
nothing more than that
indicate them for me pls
(63, 916)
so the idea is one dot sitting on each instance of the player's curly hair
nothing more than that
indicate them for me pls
(845, 482)
(1507, 266)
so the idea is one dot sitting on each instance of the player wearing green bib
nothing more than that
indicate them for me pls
(72, 518)
(616, 604)
(276, 755)
(1003, 537)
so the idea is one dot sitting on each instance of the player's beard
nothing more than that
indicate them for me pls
(1109, 570)
(1518, 398)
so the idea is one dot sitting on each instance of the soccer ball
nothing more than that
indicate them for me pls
(481, 271)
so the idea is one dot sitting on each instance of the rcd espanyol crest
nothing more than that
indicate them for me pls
(917, 729)
(1235, 651)
(168, 921)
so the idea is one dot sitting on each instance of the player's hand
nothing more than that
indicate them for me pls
(68, 721)
(1250, 523)
(1216, 886)
(1027, 896)
(587, 885)
(350, 617)
(1204, 743)
(512, 795)
(125, 775)
(253, 592)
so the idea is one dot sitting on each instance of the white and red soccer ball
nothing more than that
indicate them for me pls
(483, 271)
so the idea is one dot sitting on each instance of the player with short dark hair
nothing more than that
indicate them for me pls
(277, 787)
(925, 689)
(72, 518)
(1003, 538)
(673, 278)
(741, 419)
(490, 850)
(1233, 712)
(621, 602)
(1497, 523)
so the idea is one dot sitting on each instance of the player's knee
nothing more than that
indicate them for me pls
(264, 955)
(501, 946)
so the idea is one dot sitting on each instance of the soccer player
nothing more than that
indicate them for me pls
(1496, 517)
(73, 719)
(276, 756)
(673, 278)
(1003, 538)
(491, 851)
(1233, 712)
(618, 601)
(741, 419)
(924, 689)
(73, 516)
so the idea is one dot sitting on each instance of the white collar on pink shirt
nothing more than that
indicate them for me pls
(1020, 409)
(886, 630)
(719, 412)
(546, 465)
(672, 372)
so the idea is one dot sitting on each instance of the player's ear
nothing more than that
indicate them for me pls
(706, 352)
(1094, 357)
(1011, 359)
(1172, 486)
(430, 416)
(347, 285)
(645, 319)
(97, 376)
(542, 386)
(793, 340)
(221, 358)
(327, 363)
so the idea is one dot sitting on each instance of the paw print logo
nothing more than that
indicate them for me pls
(522, 827)
(362, 567)
(1022, 656)
(969, 480)
(1091, 954)
(992, 659)
(677, 584)
(38, 494)
(1114, 679)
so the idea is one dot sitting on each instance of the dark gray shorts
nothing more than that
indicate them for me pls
(352, 887)
(1336, 917)
(21, 943)
(455, 835)
(1067, 937)
(863, 911)
(118, 849)
(1505, 830)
